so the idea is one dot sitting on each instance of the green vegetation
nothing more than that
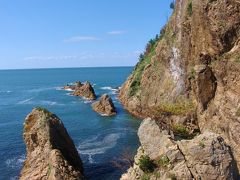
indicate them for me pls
(237, 59)
(49, 170)
(202, 144)
(144, 60)
(189, 8)
(238, 112)
(192, 74)
(178, 108)
(145, 177)
(181, 131)
(44, 110)
(163, 161)
(157, 174)
(172, 5)
(146, 164)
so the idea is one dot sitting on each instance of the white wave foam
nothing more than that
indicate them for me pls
(59, 88)
(15, 162)
(98, 145)
(109, 88)
(68, 89)
(87, 101)
(5, 91)
(42, 103)
(42, 89)
(26, 101)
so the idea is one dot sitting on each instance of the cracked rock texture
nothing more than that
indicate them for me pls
(204, 157)
(188, 79)
(51, 153)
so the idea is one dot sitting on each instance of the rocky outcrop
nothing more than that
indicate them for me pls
(189, 75)
(84, 90)
(51, 153)
(205, 157)
(104, 106)
(73, 87)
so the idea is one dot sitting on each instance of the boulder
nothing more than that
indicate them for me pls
(104, 106)
(51, 153)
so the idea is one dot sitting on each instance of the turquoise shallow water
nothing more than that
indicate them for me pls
(99, 140)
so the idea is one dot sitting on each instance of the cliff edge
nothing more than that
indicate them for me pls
(51, 153)
(188, 79)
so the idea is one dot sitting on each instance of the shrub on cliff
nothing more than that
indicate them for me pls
(146, 164)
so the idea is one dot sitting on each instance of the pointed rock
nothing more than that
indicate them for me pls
(105, 106)
(51, 153)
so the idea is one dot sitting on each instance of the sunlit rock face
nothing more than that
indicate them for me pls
(190, 76)
(51, 153)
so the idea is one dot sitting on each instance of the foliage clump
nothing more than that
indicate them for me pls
(202, 144)
(190, 8)
(163, 161)
(146, 164)
(182, 131)
(44, 110)
(144, 60)
(172, 5)
(180, 107)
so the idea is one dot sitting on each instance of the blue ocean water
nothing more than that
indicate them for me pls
(100, 140)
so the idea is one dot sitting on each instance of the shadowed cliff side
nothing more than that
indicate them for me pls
(188, 79)
(51, 153)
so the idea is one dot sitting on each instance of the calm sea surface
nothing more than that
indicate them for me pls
(101, 141)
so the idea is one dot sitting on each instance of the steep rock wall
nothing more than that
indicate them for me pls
(191, 75)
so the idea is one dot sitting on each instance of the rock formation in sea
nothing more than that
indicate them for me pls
(51, 153)
(104, 106)
(84, 90)
(188, 80)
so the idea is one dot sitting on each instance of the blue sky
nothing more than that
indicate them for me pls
(77, 33)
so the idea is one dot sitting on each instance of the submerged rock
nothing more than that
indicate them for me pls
(51, 153)
(105, 106)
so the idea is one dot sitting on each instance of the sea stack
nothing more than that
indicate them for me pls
(85, 90)
(51, 153)
(104, 106)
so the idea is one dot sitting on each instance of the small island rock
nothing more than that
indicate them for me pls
(51, 153)
(85, 90)
(105, 106)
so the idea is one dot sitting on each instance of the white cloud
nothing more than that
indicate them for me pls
(119, 32)
(81, 38)
(50, 58)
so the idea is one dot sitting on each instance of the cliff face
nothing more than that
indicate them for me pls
(189, 76)
(51, 153)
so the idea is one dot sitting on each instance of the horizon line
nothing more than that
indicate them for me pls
(64, 67)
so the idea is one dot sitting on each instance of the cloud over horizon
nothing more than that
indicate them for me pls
(86, 55)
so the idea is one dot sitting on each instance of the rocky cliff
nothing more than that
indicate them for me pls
(51, 153)
(162, 157)
(188, 79)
